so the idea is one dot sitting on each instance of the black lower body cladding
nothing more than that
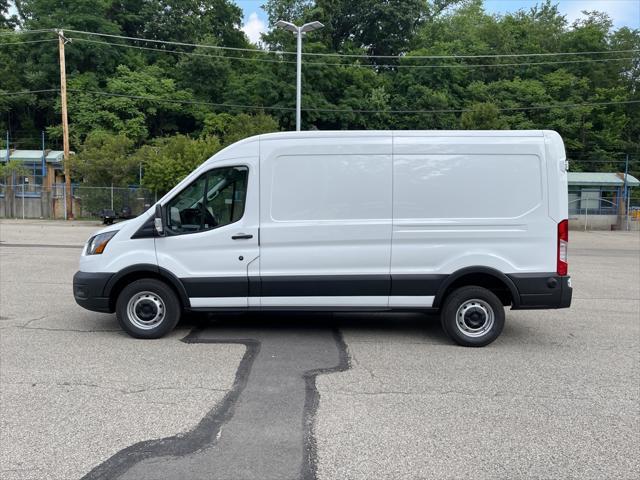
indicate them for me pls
(539, 290)
(92, 290)
(88, 291)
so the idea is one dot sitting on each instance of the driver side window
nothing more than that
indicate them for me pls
(214, 199)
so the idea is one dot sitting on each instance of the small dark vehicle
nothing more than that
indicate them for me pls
(108, 216)
(125, 213)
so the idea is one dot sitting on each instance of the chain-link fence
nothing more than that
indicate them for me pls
(599, 213)
(38, 201)
(91, 202)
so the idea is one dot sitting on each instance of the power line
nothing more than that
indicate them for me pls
(186, 102)
(338, 110)
(27, 41)
(196, 54)
(25, 32)
(281, 52)
(496, 55)
(26, 92)
(181, 44)
(356, 65)
(462, 110)
(539, 107)
(462, 65)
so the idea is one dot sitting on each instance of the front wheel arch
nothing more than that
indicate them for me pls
(137, 272)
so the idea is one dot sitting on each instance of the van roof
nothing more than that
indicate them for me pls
(402, 133)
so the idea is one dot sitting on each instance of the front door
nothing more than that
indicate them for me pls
(212, 234)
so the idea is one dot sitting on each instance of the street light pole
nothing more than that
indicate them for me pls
(299, 82)
(299, 32)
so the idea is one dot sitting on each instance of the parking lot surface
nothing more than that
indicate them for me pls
(327, 396)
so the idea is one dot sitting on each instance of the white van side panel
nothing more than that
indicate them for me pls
(471, 201)
(325, 206)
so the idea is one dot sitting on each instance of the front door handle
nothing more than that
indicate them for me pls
(242, 236)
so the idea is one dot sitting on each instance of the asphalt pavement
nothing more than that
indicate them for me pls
(350, 396)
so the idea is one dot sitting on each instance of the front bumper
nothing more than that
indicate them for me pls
(88, 291)
(539, 290)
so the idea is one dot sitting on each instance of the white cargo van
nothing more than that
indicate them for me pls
(459, 222)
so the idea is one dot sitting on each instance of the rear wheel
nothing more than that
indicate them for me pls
(472, 316)
(148, 308)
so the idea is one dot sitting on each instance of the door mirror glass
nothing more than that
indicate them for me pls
(157, 221)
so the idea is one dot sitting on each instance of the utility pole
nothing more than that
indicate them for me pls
(626, 192)
(43, 172)
(65, 125)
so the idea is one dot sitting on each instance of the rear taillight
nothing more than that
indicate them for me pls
(563, 246)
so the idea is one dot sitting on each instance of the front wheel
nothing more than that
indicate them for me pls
(148, 308)
(472, 316)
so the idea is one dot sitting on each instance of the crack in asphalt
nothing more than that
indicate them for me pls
(27, 326)
(124, 391)
(39, 245)
(262, 428)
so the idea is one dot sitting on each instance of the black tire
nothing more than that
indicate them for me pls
(472, 316)
(155, 308)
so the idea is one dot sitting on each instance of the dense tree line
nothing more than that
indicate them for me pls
(167, 106)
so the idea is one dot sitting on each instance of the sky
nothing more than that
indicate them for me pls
(623, 12)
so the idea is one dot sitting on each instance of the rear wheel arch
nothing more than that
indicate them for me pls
(490, 278)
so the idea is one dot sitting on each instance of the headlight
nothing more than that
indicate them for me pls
(96, 244)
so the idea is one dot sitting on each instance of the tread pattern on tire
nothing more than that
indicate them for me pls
(171, 301)
(450, 307)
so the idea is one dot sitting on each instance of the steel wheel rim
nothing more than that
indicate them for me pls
(475, 318)
(146, 310)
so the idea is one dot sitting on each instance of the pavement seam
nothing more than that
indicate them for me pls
(207, 432)
(204, 433)
(312, 401)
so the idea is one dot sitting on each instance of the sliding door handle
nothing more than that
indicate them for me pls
(242, 236)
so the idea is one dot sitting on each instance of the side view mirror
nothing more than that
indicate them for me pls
(158, 221)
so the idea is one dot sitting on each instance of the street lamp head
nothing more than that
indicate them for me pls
(310, 27)
(307, 27)
(287, 26)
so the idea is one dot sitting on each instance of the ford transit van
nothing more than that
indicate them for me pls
(464, 223)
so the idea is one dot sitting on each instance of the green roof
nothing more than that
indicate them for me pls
(601, 178)
(33, 156)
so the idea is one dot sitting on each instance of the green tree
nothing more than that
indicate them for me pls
(179, 89)
(231, 128)
(6, 20)
(482, 116)
(11, 169)
(138, 103)
(379, 27)
(168, 160)
(106, 159)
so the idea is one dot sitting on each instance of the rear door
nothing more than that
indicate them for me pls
(212, 234)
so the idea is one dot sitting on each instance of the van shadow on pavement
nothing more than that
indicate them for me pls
(262, 429)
